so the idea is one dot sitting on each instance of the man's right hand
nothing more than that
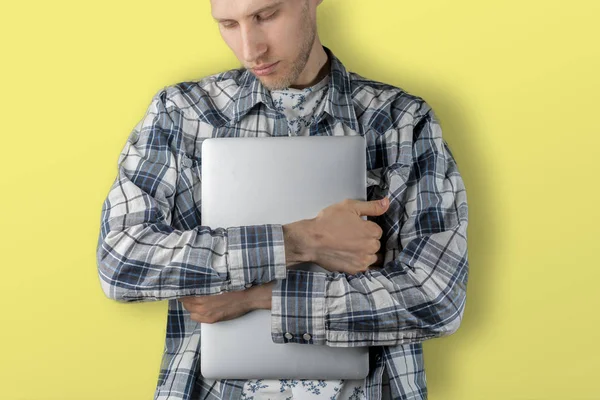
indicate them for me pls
(338, 239)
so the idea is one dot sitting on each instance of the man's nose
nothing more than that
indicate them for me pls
(253, 45)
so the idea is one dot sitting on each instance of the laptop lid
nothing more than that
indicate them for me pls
(276, 180)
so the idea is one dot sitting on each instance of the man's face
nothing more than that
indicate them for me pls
(263, 32)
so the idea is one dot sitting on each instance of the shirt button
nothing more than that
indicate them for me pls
(288, 335)
(248, 285)
(186, 162)
(306, 337)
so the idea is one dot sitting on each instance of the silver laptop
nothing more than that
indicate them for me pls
(276, 180)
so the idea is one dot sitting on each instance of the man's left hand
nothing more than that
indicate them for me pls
(228, 305)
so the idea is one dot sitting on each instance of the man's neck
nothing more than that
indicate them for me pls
(317, 66)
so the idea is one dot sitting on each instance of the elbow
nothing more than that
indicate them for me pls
(111, 282)
(112, 293)
(451, 308)
(438, 330)
(454, 312)
(451, 327)
(110, 286)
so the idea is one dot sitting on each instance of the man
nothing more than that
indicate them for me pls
(152, 245)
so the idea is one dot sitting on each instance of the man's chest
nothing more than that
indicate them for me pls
(382, 152)
(381, 148)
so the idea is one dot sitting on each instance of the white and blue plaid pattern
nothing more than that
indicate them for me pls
(152, 245)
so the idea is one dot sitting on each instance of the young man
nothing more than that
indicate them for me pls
(153, 247)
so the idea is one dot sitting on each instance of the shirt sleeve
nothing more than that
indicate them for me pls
(142, 257)
(420, 293)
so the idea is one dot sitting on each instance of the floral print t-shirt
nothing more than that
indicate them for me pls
(301, 106)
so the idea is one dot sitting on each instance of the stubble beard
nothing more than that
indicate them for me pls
(298, 65)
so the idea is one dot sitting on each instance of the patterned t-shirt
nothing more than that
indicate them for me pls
(288, 389)
(300, 107)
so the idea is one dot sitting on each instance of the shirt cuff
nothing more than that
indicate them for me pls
(298, 308)
(255, 254)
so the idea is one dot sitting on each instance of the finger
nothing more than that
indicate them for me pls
(371, 208)
(374, 230)
(379, 262)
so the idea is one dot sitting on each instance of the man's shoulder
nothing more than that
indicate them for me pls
(384, 105)
(207, 96)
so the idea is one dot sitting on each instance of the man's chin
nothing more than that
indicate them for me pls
(272, 83)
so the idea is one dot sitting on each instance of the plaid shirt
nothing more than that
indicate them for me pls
(152, 245)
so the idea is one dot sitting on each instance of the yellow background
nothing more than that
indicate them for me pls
(515, 84)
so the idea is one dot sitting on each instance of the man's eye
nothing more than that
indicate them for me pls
(228, 26)
(267, 17)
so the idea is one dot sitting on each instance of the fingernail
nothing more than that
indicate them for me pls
(383, 201)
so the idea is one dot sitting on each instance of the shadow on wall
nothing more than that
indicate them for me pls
(458, 131)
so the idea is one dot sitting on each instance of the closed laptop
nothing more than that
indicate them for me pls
(276, 180)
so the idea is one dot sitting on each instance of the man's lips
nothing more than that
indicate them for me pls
(263, 67)
(266, 70)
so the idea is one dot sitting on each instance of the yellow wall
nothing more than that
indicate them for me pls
(515, 84)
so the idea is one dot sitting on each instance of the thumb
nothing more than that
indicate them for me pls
(371, 208)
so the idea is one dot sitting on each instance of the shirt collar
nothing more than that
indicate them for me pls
(338, 103)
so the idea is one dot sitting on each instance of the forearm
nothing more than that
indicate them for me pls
(259, 297)
(298, 238)
(419, 294)
(156, 262)
(411, 300)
